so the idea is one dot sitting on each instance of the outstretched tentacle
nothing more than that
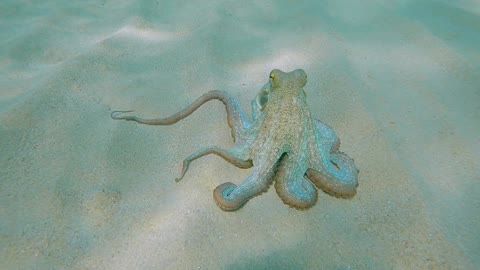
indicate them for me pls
(235, 156)
(237, 119)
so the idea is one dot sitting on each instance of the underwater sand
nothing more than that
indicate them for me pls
(399, 81)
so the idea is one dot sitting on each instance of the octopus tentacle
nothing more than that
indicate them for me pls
(235, 156)
(335, 172)
(292, 187)
(230, 197)
(340, 179)
(237, 119)
(326, 139)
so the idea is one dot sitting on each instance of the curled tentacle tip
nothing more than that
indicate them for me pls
(178, 179)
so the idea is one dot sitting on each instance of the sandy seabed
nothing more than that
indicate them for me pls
(399, 81)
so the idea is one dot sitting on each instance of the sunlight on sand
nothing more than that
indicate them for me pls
(146, 34)
(142, 32)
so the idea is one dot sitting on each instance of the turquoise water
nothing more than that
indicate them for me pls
(398, 81)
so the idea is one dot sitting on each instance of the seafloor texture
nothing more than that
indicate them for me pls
(397, 80)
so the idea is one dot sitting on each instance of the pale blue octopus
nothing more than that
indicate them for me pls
(282, 144)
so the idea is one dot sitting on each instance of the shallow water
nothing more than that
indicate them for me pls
(399, 81)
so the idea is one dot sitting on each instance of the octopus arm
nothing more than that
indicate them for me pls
(237, 120)
(235, 156)
(332, 171)
(291, 185)
(230, 197)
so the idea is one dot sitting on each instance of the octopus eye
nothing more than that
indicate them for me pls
(272, 75)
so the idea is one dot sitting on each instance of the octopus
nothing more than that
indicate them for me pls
(281, 143)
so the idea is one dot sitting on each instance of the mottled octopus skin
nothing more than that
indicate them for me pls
(282, 143)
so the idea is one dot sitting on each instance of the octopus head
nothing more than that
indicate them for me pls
(292, 80)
